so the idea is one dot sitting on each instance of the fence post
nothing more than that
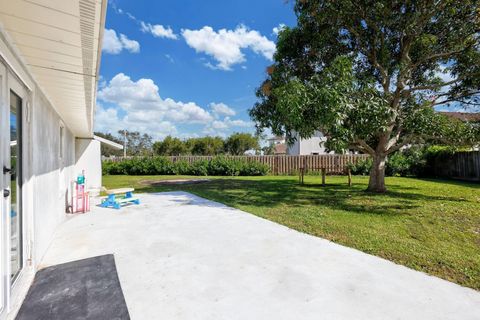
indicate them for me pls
(276, 165)
(324, 173)
(349, 172)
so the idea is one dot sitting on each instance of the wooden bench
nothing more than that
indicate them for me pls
(112, 199)
(302, 170)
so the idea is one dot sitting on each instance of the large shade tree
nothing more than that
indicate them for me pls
(369, 74)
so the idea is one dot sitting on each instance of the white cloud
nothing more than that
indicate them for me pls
(109, 120)
(137, 105)
(221, 109)
(129, 45)
(157, 30)
(225, 46)
(111, 42)
(238, 123)
(101, 82)
(221, 127)
(114, 45)
(143, 103)
(279, 28)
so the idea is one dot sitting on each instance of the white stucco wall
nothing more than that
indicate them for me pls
(87, 152)
(313, 145)
(294, 149)
(53, 172)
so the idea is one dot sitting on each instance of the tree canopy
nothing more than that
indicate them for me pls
(239, 143)
(236, 144)
(206, 146)
(369, 74)
(170, 146)
(137, 143)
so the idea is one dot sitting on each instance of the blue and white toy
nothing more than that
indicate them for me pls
(118, 197)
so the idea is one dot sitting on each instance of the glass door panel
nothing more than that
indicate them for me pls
(4, 254)
(16, 258)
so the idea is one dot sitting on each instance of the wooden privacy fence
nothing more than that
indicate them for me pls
(284, 164)
(460, 165)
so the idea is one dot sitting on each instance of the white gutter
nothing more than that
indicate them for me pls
(103, 17)
(108, 142)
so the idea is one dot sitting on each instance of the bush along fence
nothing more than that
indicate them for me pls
(231, 165)
(432, 162)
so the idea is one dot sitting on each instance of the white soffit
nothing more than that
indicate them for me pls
(60, 42)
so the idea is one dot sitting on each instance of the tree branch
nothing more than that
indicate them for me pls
(372, 56)
(436, 56)
(435, 86)
(395, 139)
(361, 143)
(407, 141)
(456, 99)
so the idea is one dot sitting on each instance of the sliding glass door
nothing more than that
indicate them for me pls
(4, 197)
(16, 258)
(12, 104)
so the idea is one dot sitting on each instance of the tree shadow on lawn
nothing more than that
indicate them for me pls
(270, 193)
(458, 183)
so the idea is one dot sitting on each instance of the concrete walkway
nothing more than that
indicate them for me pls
(182, 257)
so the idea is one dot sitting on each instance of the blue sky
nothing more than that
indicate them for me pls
(185, 68)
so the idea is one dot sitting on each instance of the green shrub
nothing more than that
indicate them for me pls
(160, 165)
(221, 166)
(181, 168)
(254, 169)
(199, 168)
(218, 166)
(409, 162)
(362, 167)
(108, 167)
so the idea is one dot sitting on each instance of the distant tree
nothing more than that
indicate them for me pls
(206, 146)
(269, 150)
(238, 143)
(368, 74)
(137, 144)
(107, 150)
(170, 146)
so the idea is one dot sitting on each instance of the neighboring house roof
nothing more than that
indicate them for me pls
(463, 116)
(59, 42)
(280, 149)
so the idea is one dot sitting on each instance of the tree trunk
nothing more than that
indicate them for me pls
(377, 174)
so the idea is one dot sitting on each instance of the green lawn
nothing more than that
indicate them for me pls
(427, 225)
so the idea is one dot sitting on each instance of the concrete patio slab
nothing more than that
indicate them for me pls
(179, 256)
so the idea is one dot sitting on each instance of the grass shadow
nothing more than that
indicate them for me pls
(269, 193)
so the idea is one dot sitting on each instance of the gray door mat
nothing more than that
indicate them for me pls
(83, 289)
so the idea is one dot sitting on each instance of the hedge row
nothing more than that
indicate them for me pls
(414, 161)
(218, 166)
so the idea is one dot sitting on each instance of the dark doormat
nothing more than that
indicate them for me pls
(83, 289)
